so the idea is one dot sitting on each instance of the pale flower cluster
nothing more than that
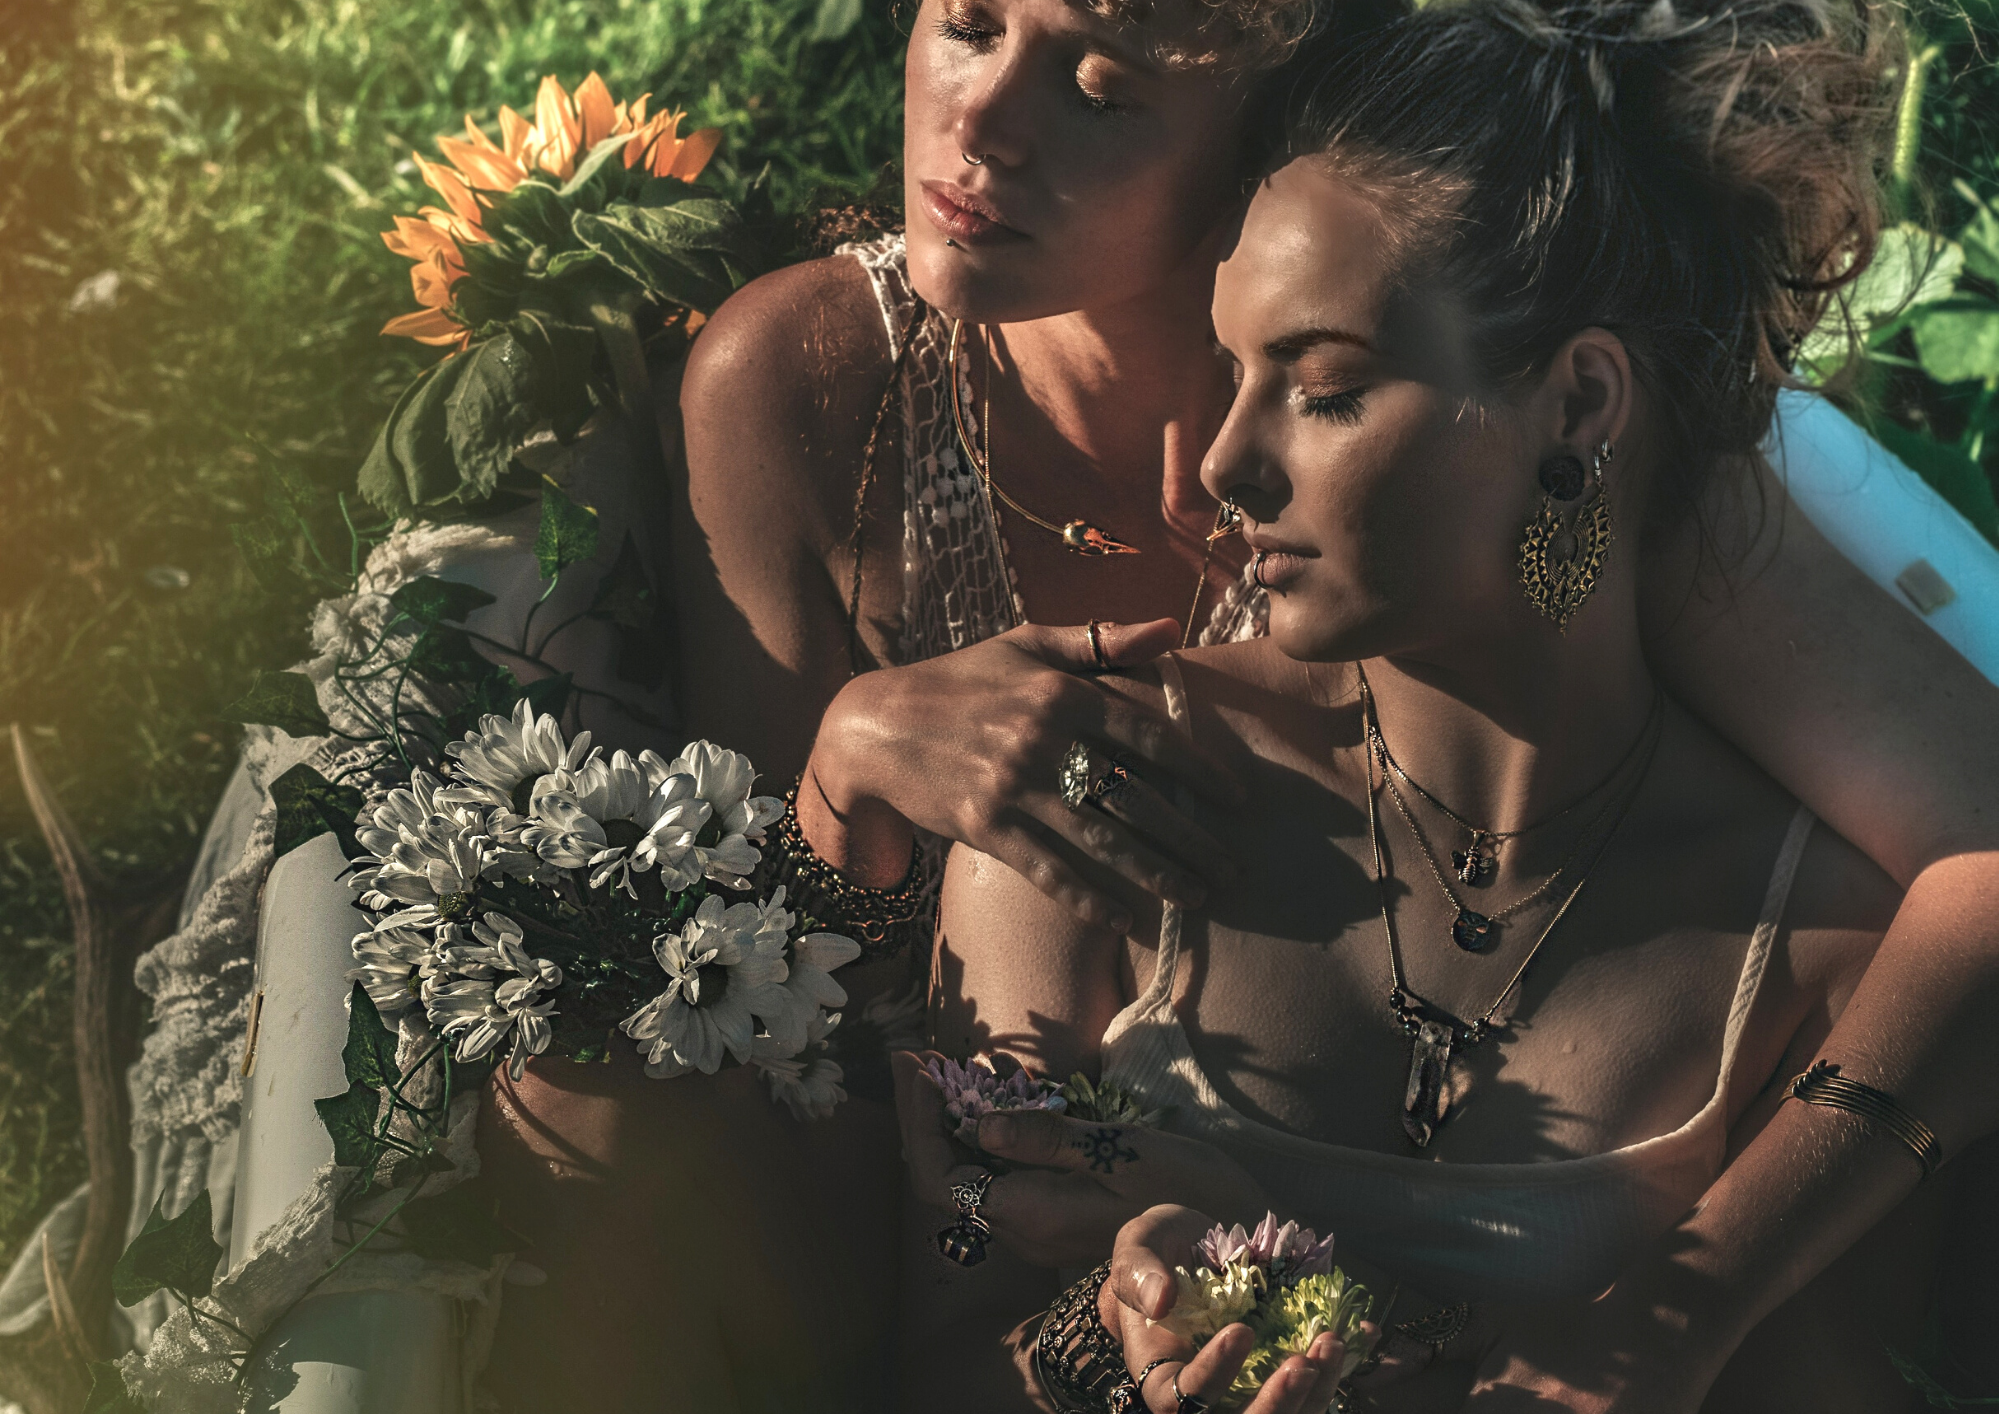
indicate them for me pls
(519, 802)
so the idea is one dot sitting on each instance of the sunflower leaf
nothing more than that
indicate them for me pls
(533, 212)
(286, 701)
(177, 1254)
(350, 1121)
(592, 164)
(568, 532)
(429, 600)
(694, 252)
(456, 1226)
(369, 1057)
(412, 462)
(309, 805)
(489, 409)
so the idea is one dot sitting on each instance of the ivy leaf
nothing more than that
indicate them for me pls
(428, 599)
(443, 654)
(369, 1058)
(456, 1226)
(309, 805)
(549, 695)
(568, 532)
(350, 1120)
(286, 701)
(108, 1394)
(178, 1254)
(625, 595)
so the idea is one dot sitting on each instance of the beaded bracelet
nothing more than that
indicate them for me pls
(1824, 1085)
(882, 921)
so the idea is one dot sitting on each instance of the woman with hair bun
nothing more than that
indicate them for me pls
(1525, 952)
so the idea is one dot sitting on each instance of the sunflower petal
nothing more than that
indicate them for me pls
(427, 326)
(476, 135)
(593, 102)
(514, 132)
(694, 154)
(447, 184)
(556, 129)
(490, 171)
(414, 238)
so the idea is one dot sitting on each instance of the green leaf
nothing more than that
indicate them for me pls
(443, 655)
(350, 1119)
(489, 410)
(411, 463)
(592, 163)
(286, 701)
(625, 595)
(563, 355)
(534, 213)
(309, 805)
(549, 695)
(695, 252)
(456, 1226)
(1981, 235)
(269, 554)
(1911, 268)
(369, 1058)
(1958, 342)
(572, 262)
(178, 1254)
(108, 1394)
(568, 532)
(429, 600)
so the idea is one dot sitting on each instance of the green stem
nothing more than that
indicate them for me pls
(1910, 116)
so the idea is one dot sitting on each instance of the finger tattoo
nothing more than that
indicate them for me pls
(1103, 1151)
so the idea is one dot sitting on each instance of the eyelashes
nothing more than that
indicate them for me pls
(960, 32)
(955, 30)
(1343, 407)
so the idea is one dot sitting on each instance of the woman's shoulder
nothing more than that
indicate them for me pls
(786, 376)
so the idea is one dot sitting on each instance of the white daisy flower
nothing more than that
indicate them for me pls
(506, 753)
(807, 1084)
(426, 852)
(649, 818)
(809, 961)
(394, 963)
(497, 993)
(561, 832)
(737, 821)
(721, 980)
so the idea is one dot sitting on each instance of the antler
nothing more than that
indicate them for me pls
(45, 1370)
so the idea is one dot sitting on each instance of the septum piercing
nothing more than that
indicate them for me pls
(971, 161)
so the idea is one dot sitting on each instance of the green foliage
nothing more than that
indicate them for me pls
(369, 1057)
(309, 805)
(175, 1254)
(568, 533)
(349, 1118)
(429, 600)
(108, 1394)
(286, 701)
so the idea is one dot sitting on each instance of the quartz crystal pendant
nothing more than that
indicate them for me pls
(1472, 931)
(1425, 1100)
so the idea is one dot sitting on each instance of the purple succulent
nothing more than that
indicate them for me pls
(1285, 1253)
(973, 1088)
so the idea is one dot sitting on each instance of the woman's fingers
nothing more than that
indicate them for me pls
(1124, 645)
(1051, 1140)
(1152, 737)
(1138, 804)
(1113, 843)
(927, 1151)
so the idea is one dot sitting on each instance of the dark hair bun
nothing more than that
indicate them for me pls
(1698, 179)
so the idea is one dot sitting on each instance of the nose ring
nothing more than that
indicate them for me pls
(971, 161)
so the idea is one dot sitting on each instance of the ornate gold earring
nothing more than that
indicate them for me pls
(1560, 562)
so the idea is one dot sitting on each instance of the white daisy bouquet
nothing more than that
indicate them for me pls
(1282, 1283)
(538, 896)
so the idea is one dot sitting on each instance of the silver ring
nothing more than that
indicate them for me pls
(1074, 781)
(1186, 1403)
(967, 1196)
(964, 1241)
(971, 161)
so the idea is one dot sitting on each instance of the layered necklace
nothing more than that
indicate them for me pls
(1078, 536)
(1436, 1035)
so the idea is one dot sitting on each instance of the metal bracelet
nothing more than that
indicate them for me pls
(1825, 1085)
(1079, 1363)
(882, 921)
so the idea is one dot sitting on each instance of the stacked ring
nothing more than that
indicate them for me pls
(964, 1241)
(1090, 631)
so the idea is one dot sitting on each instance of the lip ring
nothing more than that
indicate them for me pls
(1257, 571)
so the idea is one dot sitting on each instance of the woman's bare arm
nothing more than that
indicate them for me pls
(780, 390)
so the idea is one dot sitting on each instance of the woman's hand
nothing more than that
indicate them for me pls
(1086, 1182)
(970, 746)
(1141, 1290)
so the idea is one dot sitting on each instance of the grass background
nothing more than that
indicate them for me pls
(232, 161)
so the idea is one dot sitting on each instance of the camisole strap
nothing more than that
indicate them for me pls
(889, 277)
(1783, 871)
(1159, 991)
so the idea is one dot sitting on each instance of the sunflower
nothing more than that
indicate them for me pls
(566, 127)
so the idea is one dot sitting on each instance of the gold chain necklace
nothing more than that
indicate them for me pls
(1436, 1035)
(1472, 930)
(1078, 536)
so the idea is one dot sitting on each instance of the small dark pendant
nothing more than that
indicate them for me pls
(1475, 863)
(964, 1242)
(1472, 931)
(1425, 1101)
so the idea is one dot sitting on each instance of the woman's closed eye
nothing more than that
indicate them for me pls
(1337, 405)
(962, 29)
